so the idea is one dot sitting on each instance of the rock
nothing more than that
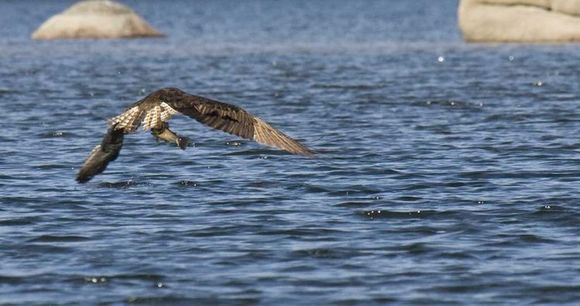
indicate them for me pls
(525, 21)
(95, 19)
(540, 3)
(571, 7)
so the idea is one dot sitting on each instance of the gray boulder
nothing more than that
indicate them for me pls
(95, 19)
(525, 21)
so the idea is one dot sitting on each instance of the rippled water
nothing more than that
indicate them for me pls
(447, 173)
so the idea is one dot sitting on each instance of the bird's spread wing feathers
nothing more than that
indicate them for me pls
(235, 120)
(270, 136)
(101, 155)
(129, 120)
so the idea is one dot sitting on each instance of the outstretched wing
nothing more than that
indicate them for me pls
(102, 155)
(235, 120)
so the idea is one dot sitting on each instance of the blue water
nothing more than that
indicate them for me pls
(447, 173)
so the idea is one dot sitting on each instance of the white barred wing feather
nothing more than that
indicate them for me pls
(153, 117)
(129, 120)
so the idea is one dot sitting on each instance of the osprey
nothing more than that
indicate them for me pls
(154, 112)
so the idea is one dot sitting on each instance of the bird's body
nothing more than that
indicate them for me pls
(154, 111)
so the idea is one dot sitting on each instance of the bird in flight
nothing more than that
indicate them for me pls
(154, 112)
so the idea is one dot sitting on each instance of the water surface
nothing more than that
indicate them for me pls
(447, 173)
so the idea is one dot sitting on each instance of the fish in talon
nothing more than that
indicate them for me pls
(167, 135)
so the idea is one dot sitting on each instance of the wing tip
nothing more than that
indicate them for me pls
(101, 156)
(81, 179)
(304, 151)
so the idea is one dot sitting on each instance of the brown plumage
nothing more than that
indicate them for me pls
(101, 155)
(155, 110)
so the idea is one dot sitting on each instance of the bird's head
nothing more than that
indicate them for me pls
(168, 94)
